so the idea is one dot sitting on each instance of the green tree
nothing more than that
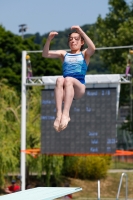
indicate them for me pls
(86, 167)
(11, 47)
(42, 163)
(10, 134)
(112, 31)
(115, 30)
(9, 130)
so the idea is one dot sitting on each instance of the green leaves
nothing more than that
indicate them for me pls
(114, 30)
(11, 47)
(86, 167)
(9, 129)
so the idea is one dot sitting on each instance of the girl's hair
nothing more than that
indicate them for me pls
(82, 47)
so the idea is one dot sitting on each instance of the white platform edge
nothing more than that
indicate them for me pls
(41, 193)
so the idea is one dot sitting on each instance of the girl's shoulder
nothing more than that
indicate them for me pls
(63, 52)
(86, 56)
(83, 52)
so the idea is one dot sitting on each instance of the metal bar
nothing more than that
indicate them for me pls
(126, 188)
(33, 84)
(99, 48)
(98, 197)
(40, 51)
(38, 81)
(23, 120)
(115, 47)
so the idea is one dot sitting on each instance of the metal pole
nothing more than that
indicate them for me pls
(98, 197)
(131, 107)
(126, 187)
(97, 48)
(23, 120)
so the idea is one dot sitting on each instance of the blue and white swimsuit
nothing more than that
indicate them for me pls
(75, 66)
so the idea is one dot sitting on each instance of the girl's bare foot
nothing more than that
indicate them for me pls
(64, 122)
(57, 123)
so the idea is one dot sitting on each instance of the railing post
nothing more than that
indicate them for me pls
(126, 189)
(98, 197)
(23, 121)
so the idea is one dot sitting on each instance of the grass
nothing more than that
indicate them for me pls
(116, 164)
(108, 187)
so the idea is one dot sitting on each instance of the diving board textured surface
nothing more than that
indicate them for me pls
(41, 193)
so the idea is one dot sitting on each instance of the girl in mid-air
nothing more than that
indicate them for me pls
(75, 63)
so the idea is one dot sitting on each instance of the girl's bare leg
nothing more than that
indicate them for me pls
(72, 89)
(58, 100)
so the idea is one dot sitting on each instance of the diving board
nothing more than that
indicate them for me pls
(41, 193)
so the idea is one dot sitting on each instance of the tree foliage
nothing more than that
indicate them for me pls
(115, 31)
(11, 47)
(42, 163)
(86, 167)
(10, 109)
(9, 130)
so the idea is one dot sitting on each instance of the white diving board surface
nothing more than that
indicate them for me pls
(89, 79)
(41, 193)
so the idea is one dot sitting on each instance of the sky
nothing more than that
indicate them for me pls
(43, 16)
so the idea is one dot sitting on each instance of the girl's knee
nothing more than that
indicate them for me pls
(60, 81)
(68, 81)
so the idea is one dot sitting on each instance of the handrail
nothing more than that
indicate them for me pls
(98, 196)
(126, 188)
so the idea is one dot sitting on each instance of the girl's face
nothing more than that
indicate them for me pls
(75, 42)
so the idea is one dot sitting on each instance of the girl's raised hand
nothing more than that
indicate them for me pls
(76, 27)
(52, 35)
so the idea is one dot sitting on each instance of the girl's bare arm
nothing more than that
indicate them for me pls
(91, 47)
(52, 54)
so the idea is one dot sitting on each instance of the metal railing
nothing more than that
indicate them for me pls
(126, 186)
(98, 187)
